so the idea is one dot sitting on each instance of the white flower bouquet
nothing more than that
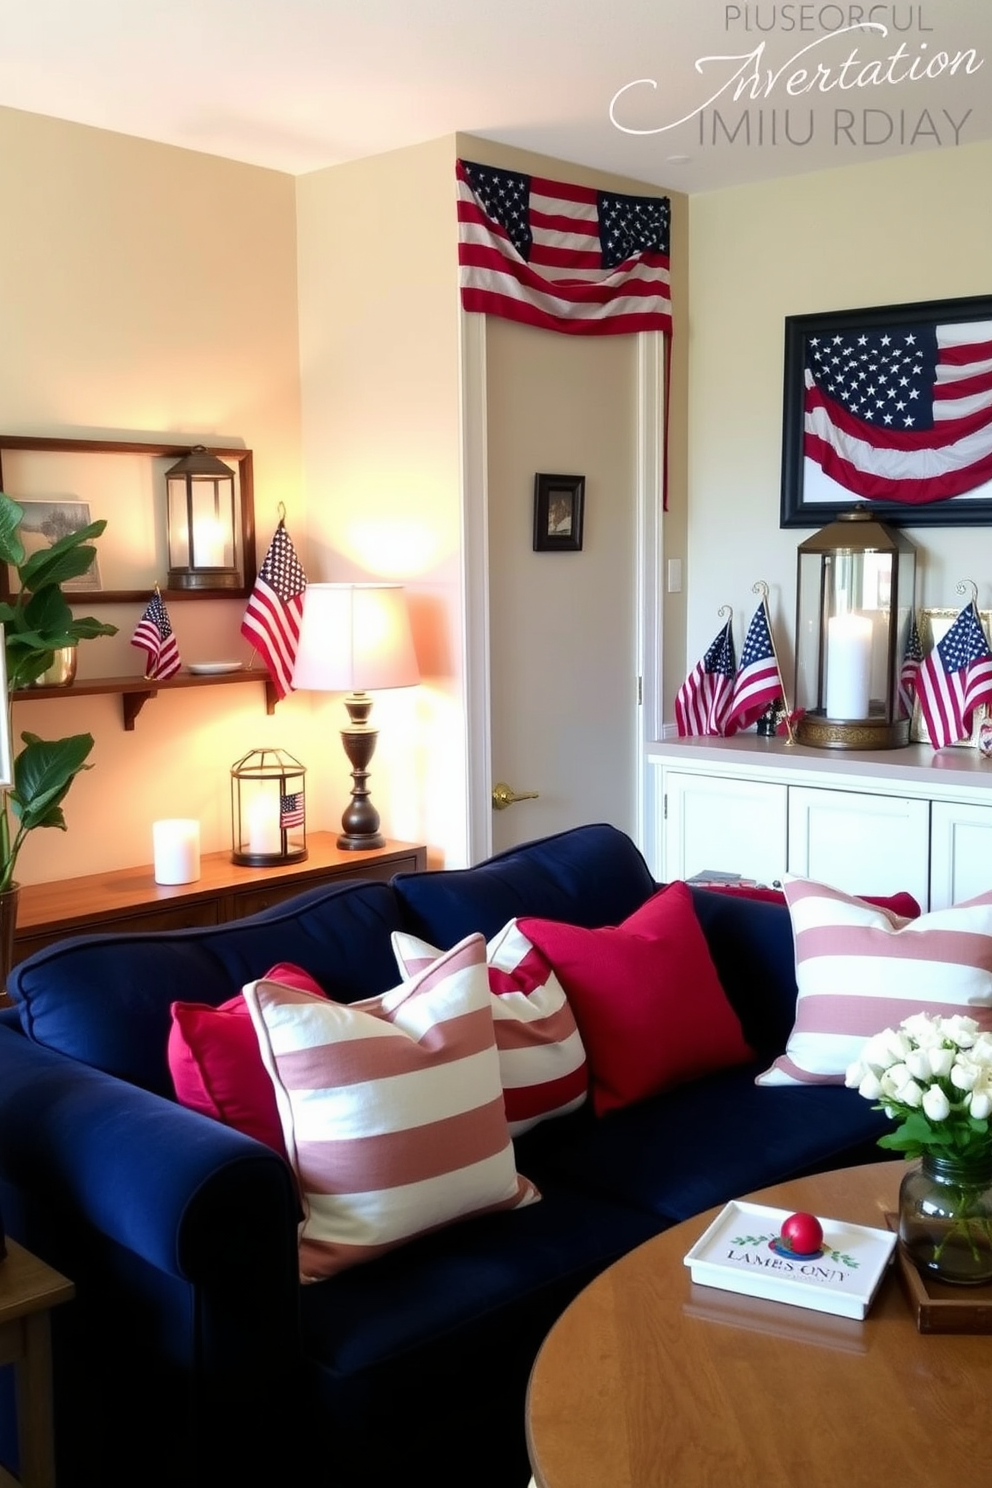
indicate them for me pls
(933, 1076)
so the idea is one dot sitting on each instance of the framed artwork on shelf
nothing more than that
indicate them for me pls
(890, 408)
(44, 523)
(558, 513)
(933, 626)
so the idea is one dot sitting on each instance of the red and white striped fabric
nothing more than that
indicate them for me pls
(861, 968)
(391, 1108)
(542, 1061)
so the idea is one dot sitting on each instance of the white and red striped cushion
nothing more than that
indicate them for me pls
(542, 1062)
(861, 968)
(391, 1108)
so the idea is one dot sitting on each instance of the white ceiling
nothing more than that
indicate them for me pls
(297, 85)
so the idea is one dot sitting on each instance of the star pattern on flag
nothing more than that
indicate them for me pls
(506, 197)
(884, 377)
(282, 569)
(632, 224)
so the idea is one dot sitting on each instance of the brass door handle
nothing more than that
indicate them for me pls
(504, 796)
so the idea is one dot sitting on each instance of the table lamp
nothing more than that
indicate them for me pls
(355, 638)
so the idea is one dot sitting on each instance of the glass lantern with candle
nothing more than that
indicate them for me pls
(268, 820)
(854, 608)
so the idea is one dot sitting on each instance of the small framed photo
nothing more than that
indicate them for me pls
(558, 503)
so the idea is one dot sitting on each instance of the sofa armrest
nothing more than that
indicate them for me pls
(171, 1186)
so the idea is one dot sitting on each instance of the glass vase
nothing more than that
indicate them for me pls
(945, 1218)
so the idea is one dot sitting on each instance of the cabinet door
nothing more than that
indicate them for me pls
(960, 852)
(861, 843)
(736, 826)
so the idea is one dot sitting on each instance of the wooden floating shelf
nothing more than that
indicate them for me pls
(135, 691)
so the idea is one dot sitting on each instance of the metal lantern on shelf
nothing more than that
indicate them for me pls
(202, 523)
(268, 817)
(854, 607)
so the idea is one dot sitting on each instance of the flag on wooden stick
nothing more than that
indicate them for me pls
(154, 635)
(704, 698)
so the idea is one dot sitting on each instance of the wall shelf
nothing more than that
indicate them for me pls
(135, 691)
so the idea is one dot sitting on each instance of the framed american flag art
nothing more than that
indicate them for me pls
(889, 407)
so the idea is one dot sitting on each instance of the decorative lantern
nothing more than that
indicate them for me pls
(202, 527)
(268, 821)
(854, 608)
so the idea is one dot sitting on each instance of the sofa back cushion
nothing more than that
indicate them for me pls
(589, 876)
(106, 999)
(754, 955)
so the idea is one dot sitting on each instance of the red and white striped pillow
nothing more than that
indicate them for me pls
(542, 1062)
(861, 968)
(391, 1108)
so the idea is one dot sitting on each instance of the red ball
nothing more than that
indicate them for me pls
(803, 1233)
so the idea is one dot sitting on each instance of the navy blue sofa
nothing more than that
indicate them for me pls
(191, 1354)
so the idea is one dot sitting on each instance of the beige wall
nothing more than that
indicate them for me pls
(378, 307)
(150, 293)
(911, 229)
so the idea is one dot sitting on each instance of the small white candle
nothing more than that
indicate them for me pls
(263, 824)
(848, 666)
(176, 846)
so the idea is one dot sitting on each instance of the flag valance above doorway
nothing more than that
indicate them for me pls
(565, 258)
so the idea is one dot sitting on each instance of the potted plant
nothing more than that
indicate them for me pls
(37, 622)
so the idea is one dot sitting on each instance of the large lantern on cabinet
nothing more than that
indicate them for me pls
(854, 607)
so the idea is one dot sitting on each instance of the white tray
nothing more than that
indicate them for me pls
(735, 1255)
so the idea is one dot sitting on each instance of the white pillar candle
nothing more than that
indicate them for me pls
(263, 824)
(176, 844)
(848, 666)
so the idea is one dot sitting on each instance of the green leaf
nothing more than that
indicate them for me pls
(11, 547)
(43, 772)
(66, 559)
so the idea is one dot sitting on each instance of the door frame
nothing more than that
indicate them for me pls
(647, 660)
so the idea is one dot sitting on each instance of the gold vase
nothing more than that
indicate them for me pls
(62, 672)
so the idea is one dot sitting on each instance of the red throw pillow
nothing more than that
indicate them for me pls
(216, 1065)
(646, 998)
(901, 904)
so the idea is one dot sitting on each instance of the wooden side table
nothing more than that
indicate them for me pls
(129, 899)
(28, 1291)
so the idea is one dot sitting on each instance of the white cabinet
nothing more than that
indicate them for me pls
(870, 822)
(960, 852)
(714, 821)
(867, 844)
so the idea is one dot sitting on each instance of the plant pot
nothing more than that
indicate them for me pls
(62, 672)
(945, 1218)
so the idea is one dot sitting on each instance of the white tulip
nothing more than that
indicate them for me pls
(918, 1064)
(980, 1104)
(924, 1029)
(961, 1029)
(910, 1094)
(870, 1086)
(935, 1104)
(940, 1060)
(854, 1075)
(964, 1074)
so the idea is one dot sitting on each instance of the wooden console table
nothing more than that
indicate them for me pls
(129, 899)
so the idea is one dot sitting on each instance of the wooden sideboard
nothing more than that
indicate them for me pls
(129, 899)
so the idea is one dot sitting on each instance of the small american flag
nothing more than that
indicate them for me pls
(562, 257)
(758, 682)
(704, 697)
(955, 679)
(291, 810)
(909, 670)
(153, 634)
(272, 619)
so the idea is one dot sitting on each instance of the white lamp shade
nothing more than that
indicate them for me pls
(355, 638)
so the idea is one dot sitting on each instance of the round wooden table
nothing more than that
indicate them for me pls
(649, 1380)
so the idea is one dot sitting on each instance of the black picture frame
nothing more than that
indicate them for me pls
(812, 505)
(558, 512)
